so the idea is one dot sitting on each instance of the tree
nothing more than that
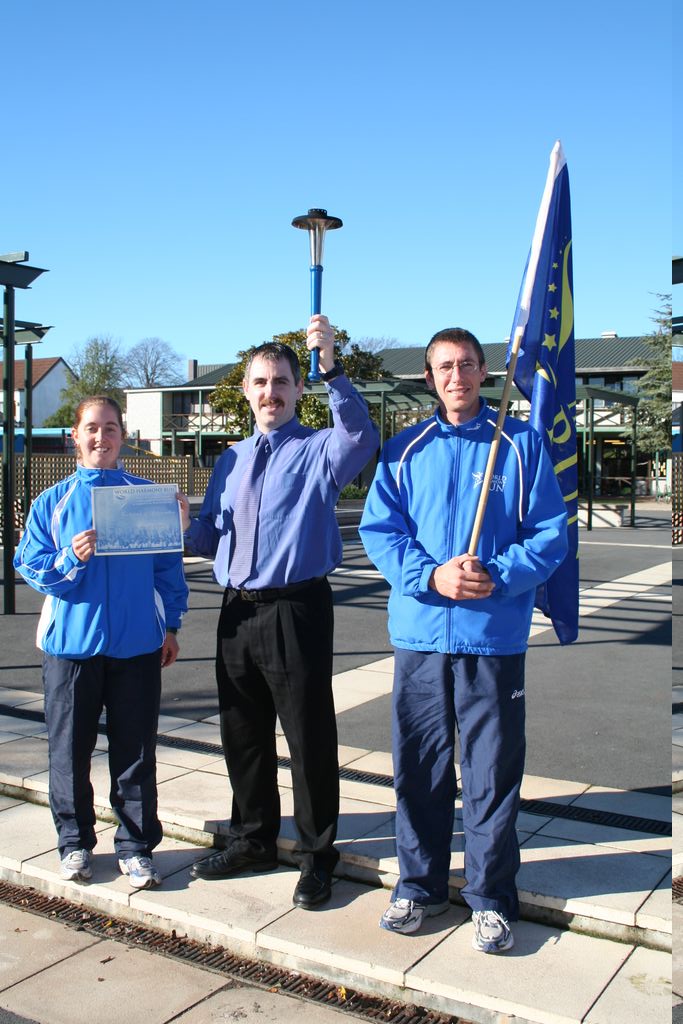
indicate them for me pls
(99, 369)
(152, 363)
(229, 398)
(653, 423)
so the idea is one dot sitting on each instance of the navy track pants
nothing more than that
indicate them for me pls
(75, 694)
(483, 697)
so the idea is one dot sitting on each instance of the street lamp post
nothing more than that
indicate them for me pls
(28, 334)
(14, 273)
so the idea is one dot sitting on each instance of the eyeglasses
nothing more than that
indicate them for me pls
(466, 367)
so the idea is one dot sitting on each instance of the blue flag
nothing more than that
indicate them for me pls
(545, 374)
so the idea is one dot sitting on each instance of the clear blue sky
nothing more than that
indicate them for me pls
(155, 152)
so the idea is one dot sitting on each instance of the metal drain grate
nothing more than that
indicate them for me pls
(543, 808)
(677, 890)
(569, 811)
(220, 960)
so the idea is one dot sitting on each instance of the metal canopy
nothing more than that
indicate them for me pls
(18, 275)
(401, 395)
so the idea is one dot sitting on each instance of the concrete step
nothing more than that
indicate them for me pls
(551, 975)
(593, 944)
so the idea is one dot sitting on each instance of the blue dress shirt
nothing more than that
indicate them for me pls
(298, 537)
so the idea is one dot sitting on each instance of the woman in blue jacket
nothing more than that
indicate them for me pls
(107, 628)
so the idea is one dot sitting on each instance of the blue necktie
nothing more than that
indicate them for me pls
(245, 514)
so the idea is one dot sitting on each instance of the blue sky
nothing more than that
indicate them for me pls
(159, 151)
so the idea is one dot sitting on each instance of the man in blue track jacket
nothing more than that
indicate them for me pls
(459, 626)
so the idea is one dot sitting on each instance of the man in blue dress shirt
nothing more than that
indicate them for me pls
(274, 650)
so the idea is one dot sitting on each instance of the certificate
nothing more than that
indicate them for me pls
(139, 519)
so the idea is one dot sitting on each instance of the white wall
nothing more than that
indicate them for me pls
(143, 414)
(47, 394)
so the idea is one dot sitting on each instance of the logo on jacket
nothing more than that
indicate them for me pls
(497, 481)
(516, 694)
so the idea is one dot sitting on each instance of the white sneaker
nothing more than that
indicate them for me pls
(491, 932)
(141, 872)
(75, 866)
(405, 916)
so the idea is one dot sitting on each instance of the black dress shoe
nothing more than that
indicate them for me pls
(236, 858)
(313, 888)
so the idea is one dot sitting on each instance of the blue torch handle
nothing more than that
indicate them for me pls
(316, 290)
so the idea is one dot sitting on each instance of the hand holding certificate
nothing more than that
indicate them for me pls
(137, 520)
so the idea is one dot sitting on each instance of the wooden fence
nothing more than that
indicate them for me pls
(47, 470)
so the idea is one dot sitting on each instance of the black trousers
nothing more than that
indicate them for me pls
(75, 694)
(274, 657)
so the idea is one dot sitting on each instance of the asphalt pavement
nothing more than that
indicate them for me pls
(596, 710)
(593, 708)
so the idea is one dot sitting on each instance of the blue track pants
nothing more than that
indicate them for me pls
(483, 697)
(75, 694)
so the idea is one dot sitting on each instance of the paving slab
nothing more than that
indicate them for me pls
(199, 799)
(6, 737)
(379, 762)
(640, 992)
(190, 759)
(587, 880)
(230, 910)
(346, 936)
(26, 831)
(617, 801)
(108, 885)
(383, 795)
(22, 726)
(376, 846)
(607, 835)
(29, 944)
(656, 911)
(356, 818)
(677, 960)
(15, 698)
(22, 758)
(167, 723)
(256, 1006)
(549, 977)
(202, 732)
(99, 983)
(558, 791)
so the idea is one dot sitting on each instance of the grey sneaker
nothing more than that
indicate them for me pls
(141, 872)
(75, 866)
(491, 932)
(405, 916)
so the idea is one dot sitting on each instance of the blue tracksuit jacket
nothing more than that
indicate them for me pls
(113, 605)
(420, 512)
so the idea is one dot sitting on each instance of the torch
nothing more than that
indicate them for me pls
(317, 223)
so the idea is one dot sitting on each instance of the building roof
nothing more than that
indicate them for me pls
(592, 355)
(41, 368)
(210, 377)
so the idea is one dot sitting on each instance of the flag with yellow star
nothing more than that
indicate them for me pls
(546, 376)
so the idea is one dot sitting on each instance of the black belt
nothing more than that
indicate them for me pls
(272, 593)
